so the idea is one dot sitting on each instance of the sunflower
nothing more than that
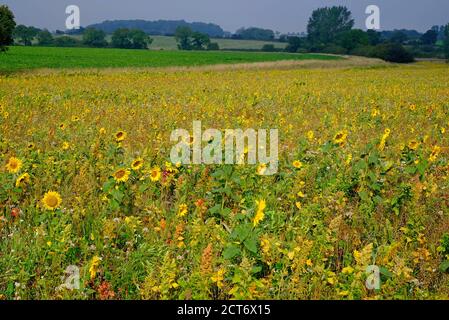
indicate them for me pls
(62, 126)
(121, 175)
(52, 200)
(340, 137)
(120, 136)
(102, 131)
(65, 145)
(182, 210)
(435, 152)
(155, 174)
(23, 179)
(413, 145)
(14, 164)
(137, 164)
(297, 164)
(30, 146)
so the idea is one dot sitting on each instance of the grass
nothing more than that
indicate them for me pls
(23, 58)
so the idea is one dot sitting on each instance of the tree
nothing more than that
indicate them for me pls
(213, 46)
(25, 35)
(94, 38)
(374, 37)
(429, 38)
(393, 52)
(139, 39)
(294, 43)
(446, 42)
(44, 38)
(255, 34)
(121, 39)
(182, 36)
(398, 37)
(130, 39)
(199, 41)
(66, 41)
(7, 25)
(326, 23)
(352, 39)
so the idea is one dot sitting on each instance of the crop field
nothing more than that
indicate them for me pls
(25, 58)
(86, 180)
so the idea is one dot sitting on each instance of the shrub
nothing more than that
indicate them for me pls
(268, 48)
(393, 52)
(334, 49)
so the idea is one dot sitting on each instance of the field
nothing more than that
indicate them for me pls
(86, 181)
(25, 58)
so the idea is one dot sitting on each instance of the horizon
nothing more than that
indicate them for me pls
(284, 17)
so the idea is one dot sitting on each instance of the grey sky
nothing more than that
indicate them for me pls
(279, 15)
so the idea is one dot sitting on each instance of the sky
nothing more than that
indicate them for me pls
(279, 15)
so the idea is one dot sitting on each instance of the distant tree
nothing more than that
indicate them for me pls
(130, 39)
(352, 39)
(268, 48)
(294, 43)
(66, 41)
(44, 38)
(213, 46)
(326, 23)
(374, 37)
(398, 37)
(392, 52)
(429, 38)
(199, 41)
(25, 35)
(7, 25)
(183, 37)
(255, 34)
(446, 42)
(94, 38)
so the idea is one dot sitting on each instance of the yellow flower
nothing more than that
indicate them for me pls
(65, 145)
(413, 145)
(23, 179)
(120, 136)
(309, 263)
(298, 205)
(52, 200)
(137, 164)
(94, 263)
(14, 164)
(121, 175)
(347, 270)
(301, 194)
(434, 155)
(102, 131)
(310, 135)
(297, 164)
(261, 168)
(62, 126)
(340, 137)
(155, 174)
(261, 205)
(182, 210)
(218, 278)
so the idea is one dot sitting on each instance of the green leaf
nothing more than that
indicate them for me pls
(444, 266)
(231, 252)
(117, 195)
(241, 232)
(251, 245)
(108, 185)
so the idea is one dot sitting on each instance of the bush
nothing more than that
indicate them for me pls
(66, 41)
(334, 49)
(268, 48)
(393, 52)
(213, 46)
(363, 51)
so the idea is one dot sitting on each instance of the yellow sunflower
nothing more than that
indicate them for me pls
(340, 137)
(297, 164)
(261, 205)
(413, 145)
(120, 136)
(23, 179)
(435, 152)
(137, 164)
(182, 210)
(52, 200)
(155, 174)
(121, 175)
(14, 164)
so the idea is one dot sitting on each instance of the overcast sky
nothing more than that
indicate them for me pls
(279, 15)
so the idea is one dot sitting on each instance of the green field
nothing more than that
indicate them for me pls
(24, 58)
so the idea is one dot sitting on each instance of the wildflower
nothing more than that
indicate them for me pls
(62, 126)
(348, 159)
(206, 260)
(94, 263)
(121, 175)
(261, 168)
(261, 205)
(14, 164)
(182, 210)
(120, 136)
(23, 179)
(137, 164)
(102, 131)
(301, 194)
(309, 263)
(384, 139)
(30, 146)
(434, 155)
(52, 200)
(340, 137)
(310, 135)
(65, 145)
(218, 278)
(155, 174)
(297, 164)
(413, 145)
(347, 270)
(298, 205)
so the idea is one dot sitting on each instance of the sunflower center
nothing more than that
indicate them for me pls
(52, 201)
(119, 174)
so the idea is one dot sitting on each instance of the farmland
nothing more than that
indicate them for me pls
(86, 181)
(25, 58)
